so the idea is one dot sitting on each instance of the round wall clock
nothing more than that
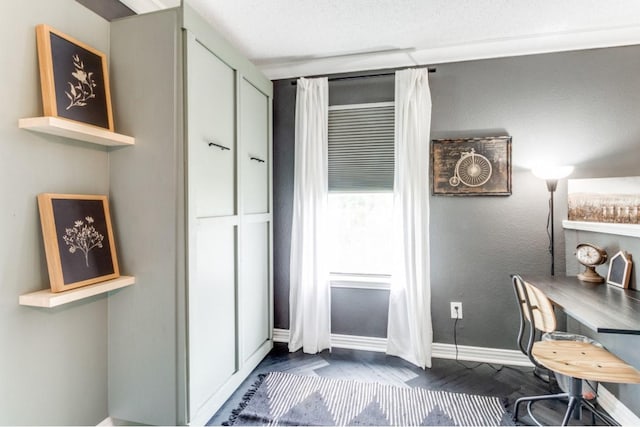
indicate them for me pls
(590, 256)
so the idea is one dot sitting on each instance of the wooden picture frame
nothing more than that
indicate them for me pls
(620, 270)
(614, 200)
(73, 78)
(471, 166)
(78, 240)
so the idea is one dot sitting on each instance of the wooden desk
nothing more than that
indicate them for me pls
(602, 308)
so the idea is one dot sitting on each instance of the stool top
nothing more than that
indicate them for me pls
(585, 361)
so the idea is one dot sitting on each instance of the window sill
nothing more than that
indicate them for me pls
(360, 281)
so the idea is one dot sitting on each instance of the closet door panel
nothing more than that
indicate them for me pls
(254, 136)
(211, 128)
(254, 288)
(212, 310)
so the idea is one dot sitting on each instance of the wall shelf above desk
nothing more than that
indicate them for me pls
(632, 230)
(75, 130)
(46, 298)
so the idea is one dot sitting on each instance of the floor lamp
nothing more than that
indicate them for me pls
(551, 175)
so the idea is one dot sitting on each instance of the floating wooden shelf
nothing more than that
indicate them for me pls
(75, 130)
(46, 298)
(632, 230)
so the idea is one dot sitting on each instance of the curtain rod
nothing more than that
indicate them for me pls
(333, 79)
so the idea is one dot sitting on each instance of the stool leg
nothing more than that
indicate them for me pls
(573, 402)
(535, 399)
(576, 391)
(599, 414)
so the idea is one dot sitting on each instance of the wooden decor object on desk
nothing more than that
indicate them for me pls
(590, 256)
(620, 270)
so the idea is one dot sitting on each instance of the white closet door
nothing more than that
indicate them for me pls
(254, 288)
(211, 126)
(212, 310)
(254, 136)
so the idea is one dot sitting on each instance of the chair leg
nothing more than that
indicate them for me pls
(575, 390)
(573, 408)
(573, 404)
(542, 374)
(599, 414)
(537, 398)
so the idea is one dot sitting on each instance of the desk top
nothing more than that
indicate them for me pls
(601, 307)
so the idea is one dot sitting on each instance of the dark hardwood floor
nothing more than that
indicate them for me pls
(449, 375)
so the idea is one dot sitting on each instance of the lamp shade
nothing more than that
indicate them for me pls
(552, 172)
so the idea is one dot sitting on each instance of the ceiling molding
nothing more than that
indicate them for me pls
(531, 45)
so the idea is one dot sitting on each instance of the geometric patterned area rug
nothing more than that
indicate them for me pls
(282, 399)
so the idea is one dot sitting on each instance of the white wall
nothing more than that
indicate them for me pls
(53, 362)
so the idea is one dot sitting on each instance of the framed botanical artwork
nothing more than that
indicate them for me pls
(471, 166)
(78, 240)
(73, 78)
(620, 270)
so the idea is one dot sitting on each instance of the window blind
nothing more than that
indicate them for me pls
(361, 148)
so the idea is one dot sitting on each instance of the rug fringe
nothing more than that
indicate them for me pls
(245, 400)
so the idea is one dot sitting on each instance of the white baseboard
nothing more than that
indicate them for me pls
(616, 409)
(106, 422)
(440, 351)
(280, 335)
(469, 353)
(498, 356)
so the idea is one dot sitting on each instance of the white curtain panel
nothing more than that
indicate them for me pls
(310, 293)
(410, 333)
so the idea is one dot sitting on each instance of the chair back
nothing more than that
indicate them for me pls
(539, 308)
(535, 310)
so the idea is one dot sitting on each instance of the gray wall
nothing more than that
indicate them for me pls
(577, 108)
(53, 363)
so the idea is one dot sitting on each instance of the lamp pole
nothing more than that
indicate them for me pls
(552, 184)
(551, 174)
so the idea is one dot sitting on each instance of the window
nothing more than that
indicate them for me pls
(361, 159)
(360, 233)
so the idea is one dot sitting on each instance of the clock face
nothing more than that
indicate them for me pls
(588, 254)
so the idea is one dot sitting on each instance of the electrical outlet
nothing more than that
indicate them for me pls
(456, 310)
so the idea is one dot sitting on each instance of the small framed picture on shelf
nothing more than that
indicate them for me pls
(620, 269)
(74, 79)
(78, 240)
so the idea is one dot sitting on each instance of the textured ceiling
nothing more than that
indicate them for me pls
(289, 36)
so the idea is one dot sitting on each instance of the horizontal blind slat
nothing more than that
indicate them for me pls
(361, 149)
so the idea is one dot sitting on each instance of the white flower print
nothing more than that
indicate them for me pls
(83, 237)
(80, 92)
